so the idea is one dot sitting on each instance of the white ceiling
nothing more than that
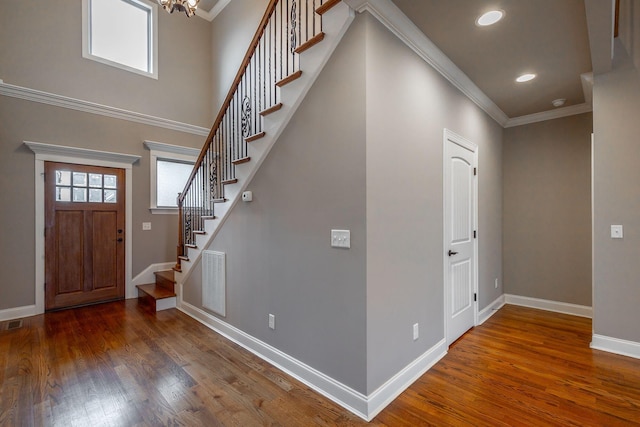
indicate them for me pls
(545, 37)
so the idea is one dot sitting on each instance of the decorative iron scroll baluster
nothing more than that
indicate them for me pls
(213, 181)
(187, 225)
(271, 57)
(246, 117)
(294, 24)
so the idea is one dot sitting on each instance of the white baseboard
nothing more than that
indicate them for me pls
(542, 304)
(616, 345)
(18, 312)
(490, 310)
(385, 394)
(366, 407)
(147, 276)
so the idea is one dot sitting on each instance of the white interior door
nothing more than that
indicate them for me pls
(460, 219)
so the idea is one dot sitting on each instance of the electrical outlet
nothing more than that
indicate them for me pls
(416, 331)
(272, 321)
(146, 226)
(496, 284)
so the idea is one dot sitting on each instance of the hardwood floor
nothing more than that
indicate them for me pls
(116, 364)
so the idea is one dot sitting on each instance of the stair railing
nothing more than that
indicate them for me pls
(272, 57)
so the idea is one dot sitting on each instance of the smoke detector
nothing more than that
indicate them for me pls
(558, 102)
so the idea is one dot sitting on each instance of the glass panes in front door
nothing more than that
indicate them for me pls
(82, 187)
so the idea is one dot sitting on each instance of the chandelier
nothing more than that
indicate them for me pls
(187, 6)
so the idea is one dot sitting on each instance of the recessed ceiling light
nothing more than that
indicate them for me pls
(525, 78)
(490, 18)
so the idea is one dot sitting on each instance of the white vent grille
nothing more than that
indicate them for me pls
(214, 283)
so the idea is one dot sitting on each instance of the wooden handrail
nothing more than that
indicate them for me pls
(234, 87)
(239, 120)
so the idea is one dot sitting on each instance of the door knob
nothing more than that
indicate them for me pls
(119, 239)
(452, 252)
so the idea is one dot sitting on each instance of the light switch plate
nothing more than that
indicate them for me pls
(341, 239)
(616, 232)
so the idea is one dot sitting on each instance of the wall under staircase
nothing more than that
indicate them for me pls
(336, 21)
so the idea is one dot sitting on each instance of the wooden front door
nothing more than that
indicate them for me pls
(84, 234)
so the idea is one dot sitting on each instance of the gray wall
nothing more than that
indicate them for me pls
(231, 34)
(279, 258)
(617, 200)
(364, 152)
(29, 121)
(408, 106)
(41, 48)
(547, 210)
(629, 29)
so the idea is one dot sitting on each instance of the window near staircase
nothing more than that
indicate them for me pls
(121, 33)
(170, 167)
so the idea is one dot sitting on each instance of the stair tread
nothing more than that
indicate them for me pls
(241, 161)
(320, 10)
(271, 110)
(289, 78)
(255, 137)
(310, 43)
(156, 292)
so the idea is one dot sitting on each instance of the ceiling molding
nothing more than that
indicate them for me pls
(94, 108)
(400, 25)
(549, 115)
(214, 12)
(600, 25)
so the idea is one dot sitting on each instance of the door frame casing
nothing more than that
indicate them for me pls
(450, 136)
(57, 153)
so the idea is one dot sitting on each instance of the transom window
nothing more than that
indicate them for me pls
(82, 187)
(121, 33)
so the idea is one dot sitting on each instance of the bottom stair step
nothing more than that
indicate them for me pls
(156, 297)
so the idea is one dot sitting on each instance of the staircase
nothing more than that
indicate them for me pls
(160, 295)
(294, 40)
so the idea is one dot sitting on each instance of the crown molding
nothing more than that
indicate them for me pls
(549, 115)
(99, 109)
(214, 12)
(400, 25)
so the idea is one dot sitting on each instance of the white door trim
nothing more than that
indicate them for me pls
(58, 153)
(457, 139)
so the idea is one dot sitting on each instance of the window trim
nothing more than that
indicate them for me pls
(153, 36)
(162, 151)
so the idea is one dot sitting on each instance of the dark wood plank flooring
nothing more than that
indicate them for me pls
(116, 364)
